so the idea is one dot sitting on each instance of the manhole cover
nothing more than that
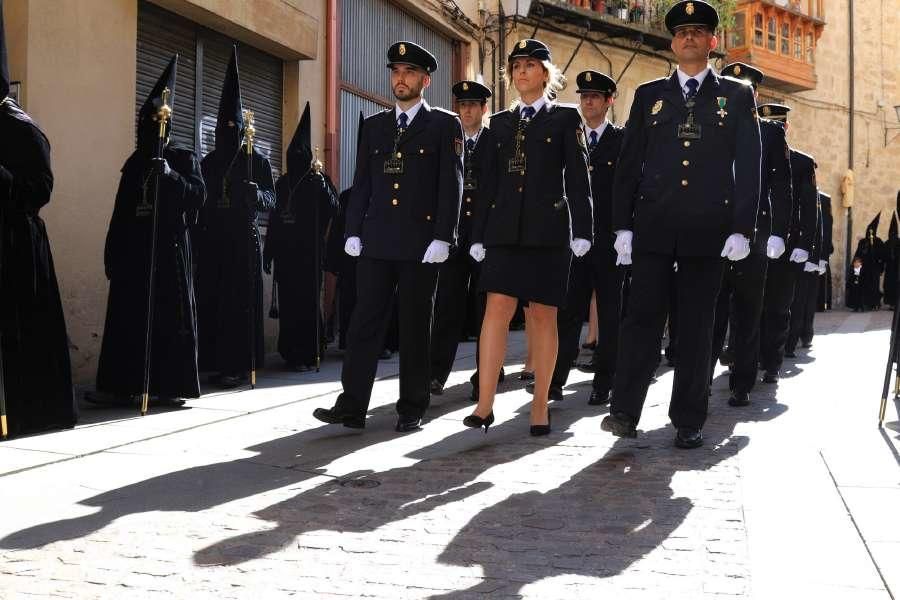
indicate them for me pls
(360, 483)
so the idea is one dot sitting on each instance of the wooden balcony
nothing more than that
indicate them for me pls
(778, 37)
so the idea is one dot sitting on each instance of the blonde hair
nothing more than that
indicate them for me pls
(556, 81)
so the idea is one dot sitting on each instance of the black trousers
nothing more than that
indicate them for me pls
(346, 298)
(696, 289)
(593, 273)
(776, 320)
(803, 310)
(456, 277)
(376, 281)
(741, 300)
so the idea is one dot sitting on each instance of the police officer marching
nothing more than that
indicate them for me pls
(686, 189)
(401, 222)
(539, 215)
(744, 283)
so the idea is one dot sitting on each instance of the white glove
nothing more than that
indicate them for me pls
(579, 247)
(623, 259)
(822, 265)
(477, 252)
(799, 255)
(438, 251)
(353, 246)
(622, 246)
(737, 247)
(810, 268)
(774, 247)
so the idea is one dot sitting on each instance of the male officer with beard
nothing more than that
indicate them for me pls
(401, 222)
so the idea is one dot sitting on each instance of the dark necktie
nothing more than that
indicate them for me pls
(692, 85)
(593, 142)
(401, 123)
(527, 113)
(470, 145)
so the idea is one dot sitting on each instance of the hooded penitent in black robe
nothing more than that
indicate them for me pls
(173, 364)
(295, 244)
(37, 372)
(229, 255)
(871, 251)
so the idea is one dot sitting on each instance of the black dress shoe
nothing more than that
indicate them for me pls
(333, 417)
(502, 376)
(526, 376)
(231, 381)
(172, 401)
(739, 399)
(555, 394)
(437, 388)
(476, 422)
(688, 437)
(474, 396)
(807, 344)
(407, 423)
(539, 430)
(619, 424)
(599, 397)
(586, 367)
(385, 354)
(790, 354)
(770, 377)
(726, 358)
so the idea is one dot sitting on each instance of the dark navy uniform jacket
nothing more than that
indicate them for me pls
(775, 199)
(805, 195)
(396, 216)
(548, 203)
(602, 167)
(687, 196)
(483, 175)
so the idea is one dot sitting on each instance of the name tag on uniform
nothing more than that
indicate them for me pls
(393, 166)
(689, 131)
(517, 164)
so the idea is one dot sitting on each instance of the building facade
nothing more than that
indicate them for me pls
(83, 67)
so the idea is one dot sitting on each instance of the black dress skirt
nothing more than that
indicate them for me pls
(532, 274)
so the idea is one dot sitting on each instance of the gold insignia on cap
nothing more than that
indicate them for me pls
(689, 9)
(766, 111)
(402, 49)
(587, 76)
(465, 86)
(737, 69)
(523, 43)
(657, 106)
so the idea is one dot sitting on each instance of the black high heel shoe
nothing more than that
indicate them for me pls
(474, 421)
(539, 430)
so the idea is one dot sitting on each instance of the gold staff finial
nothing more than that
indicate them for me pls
(164, 113)
(317, 165)
(249, 130)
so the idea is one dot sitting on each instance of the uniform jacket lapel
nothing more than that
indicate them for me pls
(418, 124)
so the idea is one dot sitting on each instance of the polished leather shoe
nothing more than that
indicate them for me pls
(437, 388)
(586, 367)
(474, 395)
(539, 430)
(476, 422)
(739, 399)
(526, 376)
(406, 423)
(555, 394)
(726, 358)
(620, 425)
(688, 437)
(333, 417)
(599, 397)
(770, 377)
(502, 376)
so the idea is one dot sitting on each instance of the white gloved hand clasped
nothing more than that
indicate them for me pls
(799, 255)
(737, 247)
(353, 246)
(622, 246)
(438, 251)
(477, 252)
(775, 247)
(580, 247)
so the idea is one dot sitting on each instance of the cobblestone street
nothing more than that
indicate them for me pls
(245, 495)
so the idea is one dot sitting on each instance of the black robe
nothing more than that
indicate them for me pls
(891, 263)
(296, 245)
(229, 264)
(173, 369)
(872, 254)
(37, 371)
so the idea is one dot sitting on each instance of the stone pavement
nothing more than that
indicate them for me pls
(244, 495)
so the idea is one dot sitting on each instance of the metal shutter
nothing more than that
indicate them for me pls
(351, 105)
(261, 91)
(160, 34)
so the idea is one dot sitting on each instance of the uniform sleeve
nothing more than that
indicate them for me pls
(630, 167)
(807, 200)
(746, 165)
(362, 186)
(779, 177)
(489, 176)
(816, 253)
(578, 181)
(450, 177)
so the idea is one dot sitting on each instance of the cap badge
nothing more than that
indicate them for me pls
(587, 76)
(465, 86)
(523, 43)
(689, 9)
(402, 50)
(766, 111)
(737, 69)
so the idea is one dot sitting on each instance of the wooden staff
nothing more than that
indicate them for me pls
(249, 133)
(317, 167)
(163, 115)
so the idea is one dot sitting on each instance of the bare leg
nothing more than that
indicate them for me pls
(498, 312)
(545, 341)
(592, 321)
(529, 352)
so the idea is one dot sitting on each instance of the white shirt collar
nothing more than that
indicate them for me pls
(410, 113)
(683, 77)
(473, 137)
(537, 105)
(599, 130)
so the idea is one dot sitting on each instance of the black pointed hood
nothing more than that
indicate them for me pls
(147, 125)
(892, 232)
(4, 64)
(230, 120)
(299, 151)
(872, 229)
(362, 118)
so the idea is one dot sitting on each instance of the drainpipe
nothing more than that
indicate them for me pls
(332, 93)
(852, 103)
(501, 86)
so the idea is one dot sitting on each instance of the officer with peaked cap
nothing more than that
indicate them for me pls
(401, 222)
(781, 279)
(686, 189)
(743, 286)
(806, 292)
